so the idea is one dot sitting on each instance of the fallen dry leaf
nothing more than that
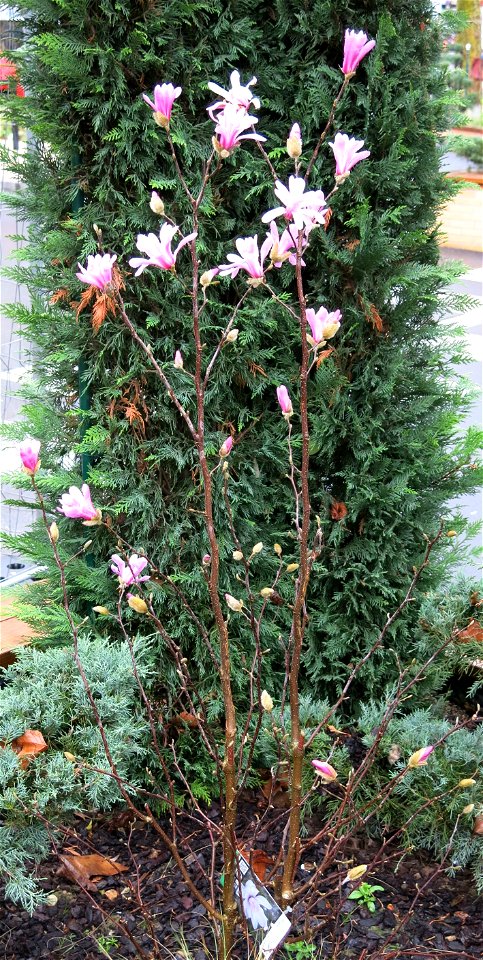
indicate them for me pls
(70, 870)
(472, 633)
(29, 745)
(110, 894)
(275, 790)
(259, 862)
(82, 868)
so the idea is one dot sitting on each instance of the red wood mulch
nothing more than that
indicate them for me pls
(447, 921)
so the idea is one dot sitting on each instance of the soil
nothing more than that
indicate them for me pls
(447, 920)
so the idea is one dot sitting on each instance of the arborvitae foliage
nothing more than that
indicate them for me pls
(384, 406)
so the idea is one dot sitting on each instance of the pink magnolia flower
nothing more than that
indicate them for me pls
(419, 759)
(248, 258)
(206, 559)
(164, 96)
(238, 95)
(98, 272)
(178, 360)
(255, 906)
(356, 47)
(324, 325)
(29, 455)
(284, 246)
(284, 400)
(226, 447)
(77, 504)
(347, 152)
(294, 142)
(305, 209)
(325, 770)
(229, 130)
(129, 572)
(158, 249)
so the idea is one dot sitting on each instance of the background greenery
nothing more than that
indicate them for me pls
(384, 408)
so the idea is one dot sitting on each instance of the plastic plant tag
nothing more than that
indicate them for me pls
(267, 923)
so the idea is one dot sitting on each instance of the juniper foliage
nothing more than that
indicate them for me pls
(385, 407)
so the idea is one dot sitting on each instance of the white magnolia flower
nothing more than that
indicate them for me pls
(254, 906)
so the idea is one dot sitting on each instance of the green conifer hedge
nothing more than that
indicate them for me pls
(385, 406)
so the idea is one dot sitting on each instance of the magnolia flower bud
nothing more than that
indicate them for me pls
(257, 549)
(294, 142)
(420, 757)
(394, 753)
(137, 603)
(356, 872)
(469, 808)
(226, 447)
(86, 545)
(285, 402)
(103, 611)
(233, 603)
(292, 567)
(156, 204)
(340, 177)
(330, 330)
(266, 701)
(266, 592)
(208, 276)
(232, 336)
(277, 549)
(93, 523)
(54, 532)
(237, 555)
(324, 770)
(467, 782)
(178, 360)
(161, 119)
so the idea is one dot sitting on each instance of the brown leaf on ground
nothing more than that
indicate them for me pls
(29, 745)
(473, 632)
(259, 862)
(338, 510)
(70, 870)
(82, 868)
(110, 894)
(275, 790)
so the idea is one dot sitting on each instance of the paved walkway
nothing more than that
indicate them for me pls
(472, 322)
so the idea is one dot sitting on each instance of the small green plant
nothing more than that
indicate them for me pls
(106, 943)
(300, 950)
(365, 895)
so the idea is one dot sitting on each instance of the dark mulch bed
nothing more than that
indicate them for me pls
(447, 920)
